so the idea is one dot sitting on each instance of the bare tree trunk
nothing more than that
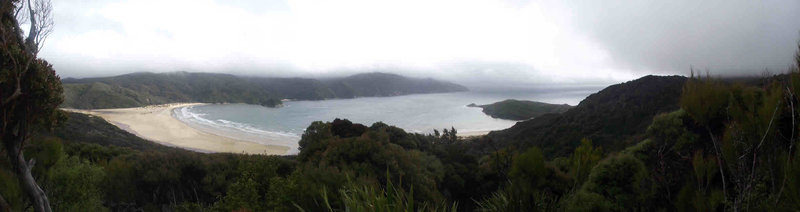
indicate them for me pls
(23, 171)
(15, 126)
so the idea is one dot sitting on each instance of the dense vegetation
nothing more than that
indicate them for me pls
(139, 89)
(520, 109)
(614, 118)
(727, 146)
(341, 165)
(652, 144)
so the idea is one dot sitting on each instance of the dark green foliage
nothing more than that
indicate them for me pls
(534, 185)
(188, 207)
(42, 94)
(75, 186)
(670, 142)
(226, 181)
(423, 168)
(744, 125)
(589, 201)
(521, 109)
(791, 191)
(343, 166)
(11, 190)
(528, 168)
(450, 136)
(621, 181)
(96, 153)
(585, 157)
(705, 102)
(72, 183)
(729, 148)
(613, 118)
(387, 198)
(140, 89)
(371, 155)
(241, 195)
(314, 139)
(47, 151)
(510, 198)
(671, 128)
(430, 165)
(698, 195)
(282, 194)
(346, 129)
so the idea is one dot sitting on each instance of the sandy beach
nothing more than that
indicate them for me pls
(472, 134)
(157, 124)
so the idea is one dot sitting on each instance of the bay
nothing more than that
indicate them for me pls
(419, 113)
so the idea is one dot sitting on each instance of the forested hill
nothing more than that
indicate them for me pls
(613, 118)
(140, 89)
(513, 109)
(359, 85)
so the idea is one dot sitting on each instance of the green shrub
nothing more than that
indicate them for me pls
(621, 180)
(74, 186)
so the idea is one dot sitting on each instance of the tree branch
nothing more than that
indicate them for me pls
(791, 139)
(719, 164)
(30, 41)
(17, 93)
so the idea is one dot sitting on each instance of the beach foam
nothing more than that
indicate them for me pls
(237, 130)
(158, 123)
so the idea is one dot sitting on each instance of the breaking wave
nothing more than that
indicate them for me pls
(236, 130)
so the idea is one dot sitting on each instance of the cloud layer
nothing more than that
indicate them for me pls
(510, 42)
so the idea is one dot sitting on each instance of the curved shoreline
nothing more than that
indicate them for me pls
(241, 131)
(156, 123)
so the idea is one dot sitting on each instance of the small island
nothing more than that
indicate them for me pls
(518, 110)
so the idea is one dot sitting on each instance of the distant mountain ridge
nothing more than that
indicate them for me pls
(359, 85)
(140, 89)
(613, 118)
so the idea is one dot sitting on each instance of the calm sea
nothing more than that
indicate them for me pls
(421, 113)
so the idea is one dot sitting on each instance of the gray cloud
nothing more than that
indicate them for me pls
(511, 43)
(728, 37)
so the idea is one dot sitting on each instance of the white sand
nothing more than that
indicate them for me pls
(472, 134)
(156, 123)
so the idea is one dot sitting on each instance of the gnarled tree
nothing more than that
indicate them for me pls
(30, 91)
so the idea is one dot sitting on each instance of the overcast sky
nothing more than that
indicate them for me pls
(510, 42)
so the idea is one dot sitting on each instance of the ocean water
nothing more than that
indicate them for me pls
(420, 113)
